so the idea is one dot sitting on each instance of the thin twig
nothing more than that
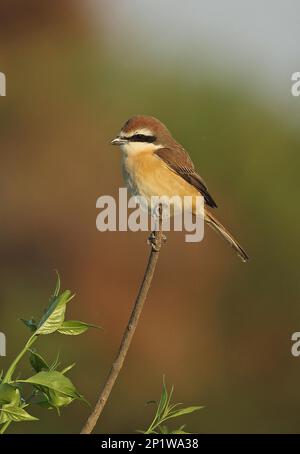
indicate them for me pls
(128, 334)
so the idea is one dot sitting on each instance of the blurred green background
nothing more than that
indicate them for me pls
(219, 330)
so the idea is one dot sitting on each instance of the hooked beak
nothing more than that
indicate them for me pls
(118, 141)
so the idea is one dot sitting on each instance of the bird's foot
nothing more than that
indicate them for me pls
(156, 242)
(153, 242)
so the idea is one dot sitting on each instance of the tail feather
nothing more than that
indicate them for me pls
(219, 228)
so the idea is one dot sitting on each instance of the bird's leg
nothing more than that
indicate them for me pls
(156, 237)
(152, 241)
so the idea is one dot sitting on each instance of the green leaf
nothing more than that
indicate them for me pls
(75, 327)
(163, 400)
(55, 363)
(31, 324)
(55, 314)
(37, 362)
(9, 394)
(56, 387)
(184, 411)
(166, 410)
(66, 369)
(53, 400)
(57, 399)
(53, 380)
(57, 287)
(11, 409)
(16, 414)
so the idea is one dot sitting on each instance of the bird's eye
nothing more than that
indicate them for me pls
(142, 138)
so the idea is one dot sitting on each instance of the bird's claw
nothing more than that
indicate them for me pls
(154, 242)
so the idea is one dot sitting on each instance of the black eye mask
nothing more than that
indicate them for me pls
(141, 138)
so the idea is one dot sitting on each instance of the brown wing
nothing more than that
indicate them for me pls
(179, 162)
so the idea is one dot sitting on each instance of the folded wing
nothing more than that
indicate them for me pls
(179, 162)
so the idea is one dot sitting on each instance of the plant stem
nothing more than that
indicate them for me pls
(128, 333)
(8, 375)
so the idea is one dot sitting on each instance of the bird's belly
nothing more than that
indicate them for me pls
(148, 176)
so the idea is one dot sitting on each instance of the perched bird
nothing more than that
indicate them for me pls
(154, 164)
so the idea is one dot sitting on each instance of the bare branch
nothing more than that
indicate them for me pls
(156, 241)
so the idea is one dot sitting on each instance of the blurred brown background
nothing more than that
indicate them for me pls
(219, 330)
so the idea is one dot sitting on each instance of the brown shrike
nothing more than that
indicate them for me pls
(154, 164)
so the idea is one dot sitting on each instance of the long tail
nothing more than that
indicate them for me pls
(218, 227)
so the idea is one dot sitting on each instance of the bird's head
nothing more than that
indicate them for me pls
(142, 133)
